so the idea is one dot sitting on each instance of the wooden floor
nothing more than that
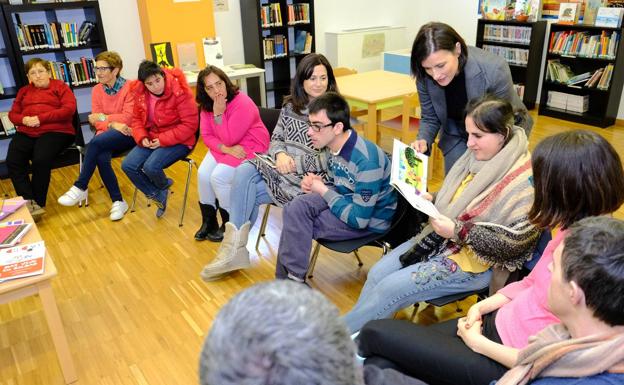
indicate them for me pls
(129, 293)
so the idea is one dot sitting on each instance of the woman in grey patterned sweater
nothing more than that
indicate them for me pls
(277, 178)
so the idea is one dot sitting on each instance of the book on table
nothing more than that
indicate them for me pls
(11, 233)
(22, 261)
(9, 206)
(409, 176)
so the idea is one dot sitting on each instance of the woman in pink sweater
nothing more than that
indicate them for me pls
(111, 112)
(232, 130)
(576, 174)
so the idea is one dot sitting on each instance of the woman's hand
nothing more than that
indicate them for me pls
(31, 121)
(155, 144)
(284, 163)
(443, 226)
(94, 118)
(420, 145)
(472, 336)
(426, 195)
(236, 151)
(218, 104)
(473, 316)
(146, 142)
(121, 127)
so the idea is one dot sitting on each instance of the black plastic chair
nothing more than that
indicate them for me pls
(352, 245)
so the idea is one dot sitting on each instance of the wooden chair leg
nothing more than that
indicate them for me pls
(134, 196)
(58, 332)
(186, 189)
(315, 254)
(263, 225)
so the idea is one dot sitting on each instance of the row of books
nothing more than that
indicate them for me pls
(298, 13)
(75, 73)
(53, 35)
(515, 56)
(8, 128)
(580, 43)
(569, 102)
(303, 42)
(507, 33)
(275, 46)
(271, 15)
(561, 73)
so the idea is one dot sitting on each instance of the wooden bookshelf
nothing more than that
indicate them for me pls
(514, 41)
(603, 103)
(281, 69)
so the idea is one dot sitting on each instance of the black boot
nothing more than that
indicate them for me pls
(210, 227)
(225, 217)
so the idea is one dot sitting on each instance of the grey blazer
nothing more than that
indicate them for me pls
(485, 73)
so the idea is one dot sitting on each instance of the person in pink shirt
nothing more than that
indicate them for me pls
(231, 128)
(111, 113)
(576, 174)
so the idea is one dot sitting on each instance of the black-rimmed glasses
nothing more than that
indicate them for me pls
(318, 127)
(101, 69)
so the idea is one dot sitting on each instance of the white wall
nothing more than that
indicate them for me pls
(122, 28)
(123, 31)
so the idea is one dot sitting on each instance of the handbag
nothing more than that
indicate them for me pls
(429, 246)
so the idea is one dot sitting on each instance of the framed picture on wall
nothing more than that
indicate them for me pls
(162, 54)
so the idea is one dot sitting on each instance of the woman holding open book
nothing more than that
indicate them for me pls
(484, 204)
(577, 174)
(448, 75)
(230, 125)
(276, 178)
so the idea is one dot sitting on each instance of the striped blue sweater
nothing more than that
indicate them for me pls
(361, 195)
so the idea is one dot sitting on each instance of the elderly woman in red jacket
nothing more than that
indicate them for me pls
(164, 123)
(42, 113)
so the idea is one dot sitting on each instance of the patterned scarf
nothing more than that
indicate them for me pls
(552, 353)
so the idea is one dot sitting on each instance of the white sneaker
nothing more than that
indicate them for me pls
(118, 210)
(73, 196)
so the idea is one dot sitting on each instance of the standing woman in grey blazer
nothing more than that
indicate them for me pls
(448, 74)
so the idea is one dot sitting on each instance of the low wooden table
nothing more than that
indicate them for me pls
(41, 284)
(375, 91)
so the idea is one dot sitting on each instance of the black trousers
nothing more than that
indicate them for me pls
(37, 155)
(433, 354)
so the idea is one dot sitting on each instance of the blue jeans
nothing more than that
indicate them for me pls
(390, 286)
(249, 192)
(99, 153)
(305, 218)
(145, 166)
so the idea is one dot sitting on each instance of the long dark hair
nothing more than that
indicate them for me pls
(298, 97)
(433, 37)
(202, 98)
(577, 174)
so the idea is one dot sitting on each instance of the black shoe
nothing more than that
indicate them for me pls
(225, 217)
(209, 228)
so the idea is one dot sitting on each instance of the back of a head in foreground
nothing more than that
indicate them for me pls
(275, 333)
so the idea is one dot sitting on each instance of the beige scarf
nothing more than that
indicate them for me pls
(552, 353)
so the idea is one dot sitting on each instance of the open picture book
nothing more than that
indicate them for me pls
(409, 177)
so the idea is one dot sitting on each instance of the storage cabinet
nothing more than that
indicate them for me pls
(276, 36)
(521, 44)
(574, 51)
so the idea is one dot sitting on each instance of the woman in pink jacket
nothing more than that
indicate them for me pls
(164, 123)
(111, 112)
(232, 130)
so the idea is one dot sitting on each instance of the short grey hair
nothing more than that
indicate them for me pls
(275, 333)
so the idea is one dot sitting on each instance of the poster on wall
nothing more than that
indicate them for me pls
(373, 44)
(187, 55)
(221, 5)
(162, 54)
(213, 51)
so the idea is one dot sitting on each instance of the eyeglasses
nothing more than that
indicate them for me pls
(101, 69)
(214, 86)
(318, 127)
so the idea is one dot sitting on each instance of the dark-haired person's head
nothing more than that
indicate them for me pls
(314, 77)
(279, 333)
(576, 174)
(588, 273)
(489, 124)
(328, 118)
(439, 52)
(212, 82)
(152, 76)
